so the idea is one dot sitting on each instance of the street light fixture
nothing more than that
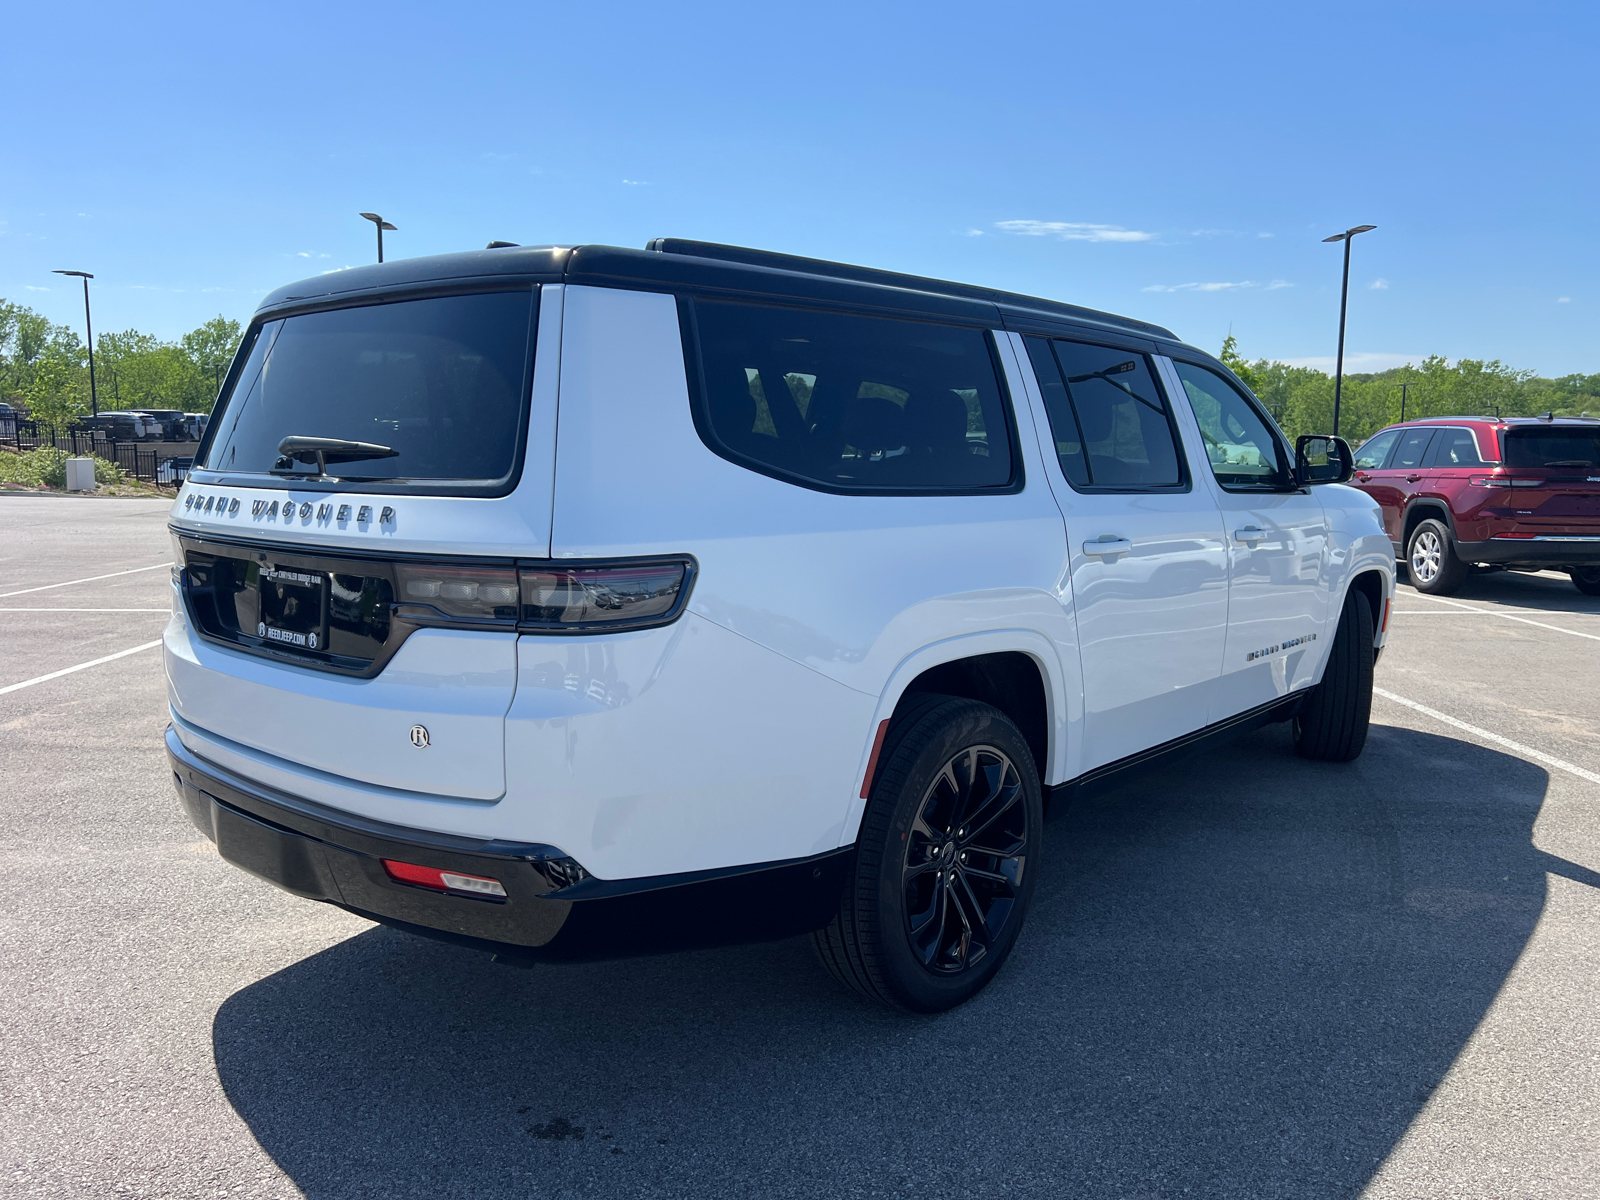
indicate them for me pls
(1344, 297)
(88, 329)
(382, 225)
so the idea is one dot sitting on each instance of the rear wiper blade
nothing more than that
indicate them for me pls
(322, 451)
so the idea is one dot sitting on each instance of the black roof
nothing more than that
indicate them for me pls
(706, 267)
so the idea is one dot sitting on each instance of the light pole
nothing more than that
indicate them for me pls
(88, 329)
(1344, 299)
(1403, 388)
(382, 225)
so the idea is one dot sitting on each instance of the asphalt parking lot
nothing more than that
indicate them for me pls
(1246, 976)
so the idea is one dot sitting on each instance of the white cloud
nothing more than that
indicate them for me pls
(310, 254)
(974, 233)
(31, 288)
(1356, 363)
(1278, 283)
(1379, 285)
(1563, 299)
(1074, 231)
(1264, 235)
(1201, 287)
(637, 182)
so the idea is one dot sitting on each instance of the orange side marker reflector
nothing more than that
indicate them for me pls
(872, 762)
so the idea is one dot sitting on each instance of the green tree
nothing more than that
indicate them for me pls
(1234, 361)
(59, 388)
(211, 348)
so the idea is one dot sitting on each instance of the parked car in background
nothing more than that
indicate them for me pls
(121, 426)
(172, 423)
(197, 425)
(1461, 492)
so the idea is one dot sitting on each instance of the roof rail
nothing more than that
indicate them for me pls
(774, 261)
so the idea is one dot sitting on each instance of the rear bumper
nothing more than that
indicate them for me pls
(1543, 551)
(553, 908)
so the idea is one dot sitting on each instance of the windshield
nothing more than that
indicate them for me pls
(1553, 446)
(437, 385)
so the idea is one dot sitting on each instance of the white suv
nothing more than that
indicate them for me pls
(568, 602)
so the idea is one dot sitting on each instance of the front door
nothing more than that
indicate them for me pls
(1279, 603)
(1393, 485)
(1148, 561)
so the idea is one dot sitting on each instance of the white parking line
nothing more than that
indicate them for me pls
(1491, 612)
(165, 610)
(1516, 748)
(17, 687)
(90, 579)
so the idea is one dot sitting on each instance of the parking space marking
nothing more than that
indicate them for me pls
(165, 610)
(1491, 612)
(17, 687)
(1516, 748)
(90, 579)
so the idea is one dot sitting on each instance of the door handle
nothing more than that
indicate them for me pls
(1412, 478)
(1107, 545)
(1362, 476)
(1250, 534)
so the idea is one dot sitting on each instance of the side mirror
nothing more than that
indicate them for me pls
(1320, 458)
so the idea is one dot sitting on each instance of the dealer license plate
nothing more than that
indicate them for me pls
(294, 608)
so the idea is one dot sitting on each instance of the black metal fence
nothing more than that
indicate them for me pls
(141, 462)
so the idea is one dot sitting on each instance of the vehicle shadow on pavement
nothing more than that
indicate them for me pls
(1516, 589)
(1241, 976)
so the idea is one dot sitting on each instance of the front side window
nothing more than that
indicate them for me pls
(1243, 453)
(1374, 451)
(852, 403)
(424, 391)
(1110, 422)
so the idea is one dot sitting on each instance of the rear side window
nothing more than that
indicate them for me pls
(1413, 446)
(1110, 423)
(852, 403)
(1243, 453)
(1375, 451)
(441, 382)
(1554, 446)
(1454, 448)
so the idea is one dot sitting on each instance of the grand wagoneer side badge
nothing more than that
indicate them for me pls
(1267, 651)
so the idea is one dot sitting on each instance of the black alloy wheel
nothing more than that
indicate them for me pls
(964, 860)
(945, 861)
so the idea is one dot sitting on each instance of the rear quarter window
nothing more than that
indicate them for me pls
(852, 403)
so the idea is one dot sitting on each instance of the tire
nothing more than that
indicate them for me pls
(1431, 559)
(1331, 725)
(1586, 580)
(911, 932)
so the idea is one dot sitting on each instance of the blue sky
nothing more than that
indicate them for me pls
(1175, 162)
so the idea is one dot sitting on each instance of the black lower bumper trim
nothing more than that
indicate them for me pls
(552, 910)
(1524, 552)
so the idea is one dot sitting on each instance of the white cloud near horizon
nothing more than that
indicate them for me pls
(1355, 364)
(1563, 299)
(1074, 231)
(1218, 287)
(1379, 285)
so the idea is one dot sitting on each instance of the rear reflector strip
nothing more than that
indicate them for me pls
(872, 762)
(1514, 537)
(1384, 628)
(444, 881)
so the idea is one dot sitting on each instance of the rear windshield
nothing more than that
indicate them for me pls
(1553, 446)
(440, 382)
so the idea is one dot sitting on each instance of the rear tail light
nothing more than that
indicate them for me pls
(609, 596)
(1526, 482)
(473, 593)
(444, 881)
(544, 598)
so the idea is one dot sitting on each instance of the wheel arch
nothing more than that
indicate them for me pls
(1016, 671)
(1420, 510)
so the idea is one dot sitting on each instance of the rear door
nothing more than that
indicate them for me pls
(1148, 558)
(1278, 576)
(1555, 474)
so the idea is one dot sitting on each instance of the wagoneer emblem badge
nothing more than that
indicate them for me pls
(419, 736)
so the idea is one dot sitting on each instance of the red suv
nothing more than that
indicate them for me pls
(1458, 492)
